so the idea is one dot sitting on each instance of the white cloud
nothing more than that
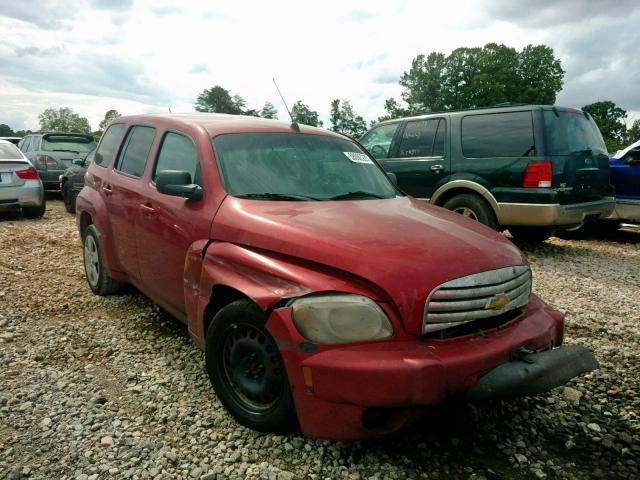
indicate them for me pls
(139, 56)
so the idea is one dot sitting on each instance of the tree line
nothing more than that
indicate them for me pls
(466, 78)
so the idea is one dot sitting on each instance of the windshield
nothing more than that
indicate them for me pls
(571, 132)
(67, 144)
(294, 166)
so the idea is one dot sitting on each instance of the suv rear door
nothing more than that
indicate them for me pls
(417, 155)
(122, 194)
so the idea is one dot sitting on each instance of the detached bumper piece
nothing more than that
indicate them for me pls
(535, 373)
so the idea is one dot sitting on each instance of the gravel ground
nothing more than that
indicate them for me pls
(95, 388)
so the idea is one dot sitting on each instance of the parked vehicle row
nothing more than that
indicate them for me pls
(321, 294)
(52, 153)
(526, 168)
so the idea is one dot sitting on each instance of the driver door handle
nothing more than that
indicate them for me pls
(437, 168)
(147, 210)
(107, 189)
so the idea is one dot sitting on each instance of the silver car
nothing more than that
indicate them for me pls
(20, 184)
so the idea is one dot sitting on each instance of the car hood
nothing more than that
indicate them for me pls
(403, 246)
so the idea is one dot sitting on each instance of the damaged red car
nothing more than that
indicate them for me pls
(322, 295)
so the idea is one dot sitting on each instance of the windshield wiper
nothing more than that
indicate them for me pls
(532, 148)
(588, 151)
(275, 196)
(357, 194)
(70, 151)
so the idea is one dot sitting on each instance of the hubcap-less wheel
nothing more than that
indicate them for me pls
(466, 212)
(91, 260)
(252, 367)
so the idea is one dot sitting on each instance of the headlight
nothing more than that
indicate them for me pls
(340, 319)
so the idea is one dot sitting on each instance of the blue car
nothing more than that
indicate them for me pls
(624, 167)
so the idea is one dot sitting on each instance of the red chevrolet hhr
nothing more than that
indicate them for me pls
(322, 295)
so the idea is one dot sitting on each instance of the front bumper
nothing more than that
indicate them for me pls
(31, 194)
(553, 215)
(626, 209)
(399, 375)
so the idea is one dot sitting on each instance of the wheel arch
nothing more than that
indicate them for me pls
(459, 187)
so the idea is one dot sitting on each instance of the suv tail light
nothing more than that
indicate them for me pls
(47, 161)
(28, 174)
(538, 175)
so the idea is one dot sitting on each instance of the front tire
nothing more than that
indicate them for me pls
(95, 271)
(531, 234)
(473, 207)
(246, 369)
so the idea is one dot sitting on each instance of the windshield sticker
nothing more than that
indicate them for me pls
(358, 157)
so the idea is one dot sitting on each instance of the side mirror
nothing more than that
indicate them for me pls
(393, 178)
(79, 162)
(178, 184)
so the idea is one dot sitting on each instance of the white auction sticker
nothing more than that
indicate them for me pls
(358, 157)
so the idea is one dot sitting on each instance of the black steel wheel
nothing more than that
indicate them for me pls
(246, 369)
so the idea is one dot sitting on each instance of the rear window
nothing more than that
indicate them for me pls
(508, 134)
(67, 144)
(8, 151)
(571, 132)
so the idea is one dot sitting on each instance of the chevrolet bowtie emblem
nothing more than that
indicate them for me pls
(498, 302)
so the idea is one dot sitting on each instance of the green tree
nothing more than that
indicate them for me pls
(269, 111)
(633, 133)
(219, 100)
(610, 120)
(478, 77)
(344, 120)
(63, 120)
(301, 113)
(108, 117)
(5, 130)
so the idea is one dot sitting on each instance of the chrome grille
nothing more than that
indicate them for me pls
(477, 296)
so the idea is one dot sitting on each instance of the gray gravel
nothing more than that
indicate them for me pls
(94, 388)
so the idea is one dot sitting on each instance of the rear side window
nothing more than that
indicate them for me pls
(178, 152)
(35, 144)
(378, 141)
(133, 156)
(419, 138)
(109, 145)
(8, 151)
(508, 134)
(24, 146)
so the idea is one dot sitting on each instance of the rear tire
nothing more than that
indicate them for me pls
(69, 197)
(35, 212)
(246, 369)
(95, 271)
(531, 234)
(474, 207)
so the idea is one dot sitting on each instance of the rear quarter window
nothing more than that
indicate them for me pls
(108, 145)
(507, 134)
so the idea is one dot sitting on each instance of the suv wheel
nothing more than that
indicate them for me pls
(68, 197)
(99, 281)
(474, 207)
(531, 234)
(246, 369)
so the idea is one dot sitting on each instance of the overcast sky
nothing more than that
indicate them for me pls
(139, 56)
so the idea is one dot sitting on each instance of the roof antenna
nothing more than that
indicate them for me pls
(294, 124)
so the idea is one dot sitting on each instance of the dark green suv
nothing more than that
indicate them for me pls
(530, 169)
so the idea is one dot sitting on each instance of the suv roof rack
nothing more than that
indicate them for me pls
(497, 105)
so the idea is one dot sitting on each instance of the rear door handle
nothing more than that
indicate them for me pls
(437, 168)
(147, 210)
